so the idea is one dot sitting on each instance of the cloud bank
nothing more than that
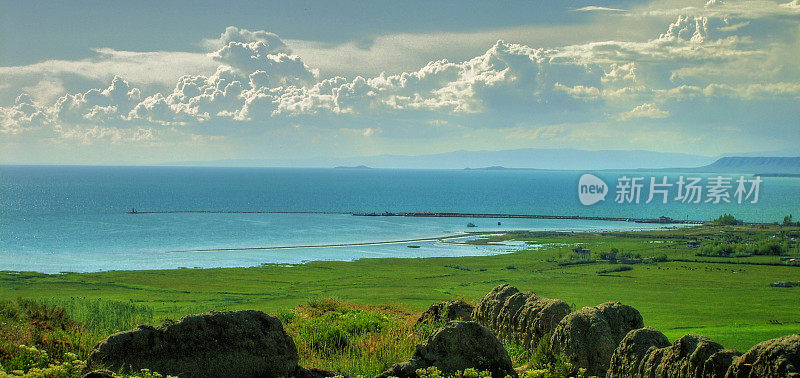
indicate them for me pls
(714, 68)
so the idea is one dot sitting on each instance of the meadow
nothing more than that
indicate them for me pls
(358, 317)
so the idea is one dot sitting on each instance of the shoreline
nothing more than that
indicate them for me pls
(449, 239)
(432, 238)
(700, 295)
(446, 237)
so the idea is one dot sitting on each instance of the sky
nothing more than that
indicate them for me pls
(148, 82)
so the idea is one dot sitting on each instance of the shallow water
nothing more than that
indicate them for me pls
(74, 218)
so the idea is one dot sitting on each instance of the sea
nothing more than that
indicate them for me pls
(78, 218)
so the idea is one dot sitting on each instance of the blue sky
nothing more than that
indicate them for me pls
(112, 82)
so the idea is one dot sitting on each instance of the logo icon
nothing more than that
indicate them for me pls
(591, 189)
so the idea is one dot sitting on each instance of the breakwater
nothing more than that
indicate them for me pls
(662, 220)
(134, 211)
(659, 220)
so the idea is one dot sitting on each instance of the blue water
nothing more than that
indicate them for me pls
(56, 219)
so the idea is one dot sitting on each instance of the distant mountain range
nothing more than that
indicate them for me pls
(528, 158)
(755, 165)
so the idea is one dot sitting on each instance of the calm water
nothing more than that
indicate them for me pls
(74, 218)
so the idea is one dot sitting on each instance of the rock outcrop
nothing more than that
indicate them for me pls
(589, 336)
(456, 347)
(447, 311)
(238, 343)
(772, 358)
(646, 352)
(520, 316)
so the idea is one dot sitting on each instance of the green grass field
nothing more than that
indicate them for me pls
(727, 299)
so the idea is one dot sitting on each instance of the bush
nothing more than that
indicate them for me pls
(332, 332)
(787, 221)
(433, 372)
(719, 250)
(42, 314)
(102, 316)
(547, 363)
(324, 304)
(70, 366)
(285, 317)
(770, 249)
(660, 258)
(325, 337)
(629, 256)
(34, 334)
(726, 220)
(359, 340)
(27, 358)
(359, 322)
(621, 268)
(610, 256)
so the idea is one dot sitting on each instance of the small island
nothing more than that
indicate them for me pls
(352, 167)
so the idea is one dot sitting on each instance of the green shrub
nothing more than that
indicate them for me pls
(433, 372)
(787, 221)
(103, 316)
(726, 220)
(69, 366)
(359, 322)
(324, 304)
(517, 352)
(547, 363)
(27, 358)
(285, 317)
(629, 256)
(765, 248)
(621, 268)
(719, 250)
(34, 334)
(770, 248)
(358, 340)
(660, 258)
(325, 337)
(333, 331)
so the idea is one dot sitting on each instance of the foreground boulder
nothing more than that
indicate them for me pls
(589, 336)
(537, 318)
(686, 357)
(239, 343)
(489, 307)
(647, 353)
(633, 349)
(520, 316)
(718, 364)
(456, 347)
(772, 358)
(447, 311)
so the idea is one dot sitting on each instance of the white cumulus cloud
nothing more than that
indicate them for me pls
(251, 80)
